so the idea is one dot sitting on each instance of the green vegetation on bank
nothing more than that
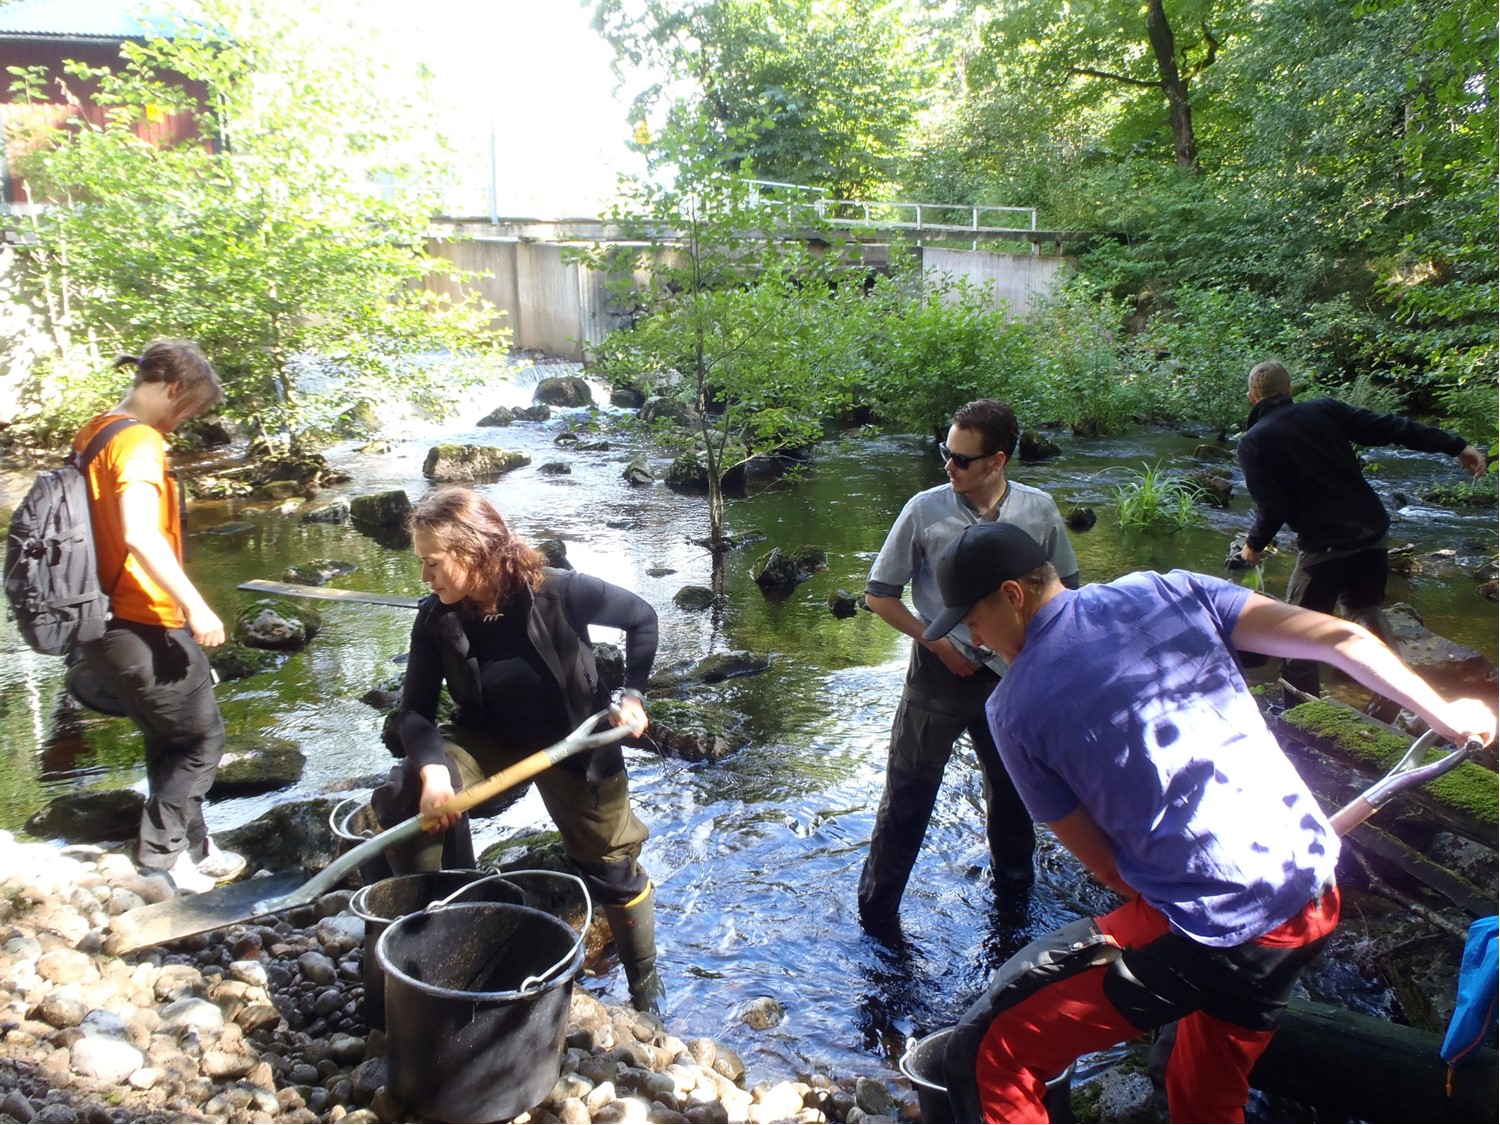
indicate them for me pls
(280, 238)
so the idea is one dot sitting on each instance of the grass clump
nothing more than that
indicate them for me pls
(1154, 499)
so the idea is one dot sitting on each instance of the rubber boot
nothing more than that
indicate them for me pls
(634, 927)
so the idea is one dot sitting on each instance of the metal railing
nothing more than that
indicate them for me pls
(889, 213)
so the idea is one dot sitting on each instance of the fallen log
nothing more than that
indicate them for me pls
(1354, 1066)
(1465, 801)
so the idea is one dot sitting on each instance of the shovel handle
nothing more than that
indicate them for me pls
(584, 738)
(1408, 772)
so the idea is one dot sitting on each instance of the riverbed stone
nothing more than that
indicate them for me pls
(1080, 519)
(254, 764)
(1033, 446)
(693, 598)
(555, 468)
(90, 816)
(563, 390)
(537, 412)
(762, 1013)
(105, 1058)
(639, 473)
(317, 572)
(728, 665)
(234, 661)
(276, 623)
(687, 474)
(446, 463)
(500, 416)
(336, 511)
(286, 837)
(381, 509)
(842, 604)
(1454, 670)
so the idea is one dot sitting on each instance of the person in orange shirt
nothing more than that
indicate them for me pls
(151, 658)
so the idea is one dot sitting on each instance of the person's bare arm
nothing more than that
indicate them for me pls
(140, 518)
(1277, 629)
(894, 613)
(1080, 835)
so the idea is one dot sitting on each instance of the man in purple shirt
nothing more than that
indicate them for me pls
(1127, 726)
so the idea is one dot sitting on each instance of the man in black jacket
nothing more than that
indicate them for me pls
(1301, 470)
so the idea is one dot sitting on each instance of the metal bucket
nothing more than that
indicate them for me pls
(380, 904)
(353, 822)
(923, 1066)
(477, 998)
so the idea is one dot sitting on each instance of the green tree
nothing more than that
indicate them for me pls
(730, 321)
(816, 92)
(286, 241)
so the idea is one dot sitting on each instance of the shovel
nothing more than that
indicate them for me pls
(1408, 772)
(195, 914)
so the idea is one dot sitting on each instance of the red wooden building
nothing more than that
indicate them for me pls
(47, 33)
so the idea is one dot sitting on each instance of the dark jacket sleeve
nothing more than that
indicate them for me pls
(417, 721)
(593, 601)
(1365, 427)
(1265, 490)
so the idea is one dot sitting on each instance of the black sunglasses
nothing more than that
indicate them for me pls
(959, 459)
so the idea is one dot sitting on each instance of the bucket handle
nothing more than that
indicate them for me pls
(338, 817)
(537, 980)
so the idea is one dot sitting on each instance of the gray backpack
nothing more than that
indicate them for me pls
(51, 571)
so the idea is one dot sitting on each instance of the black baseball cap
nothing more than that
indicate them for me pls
(976, 564)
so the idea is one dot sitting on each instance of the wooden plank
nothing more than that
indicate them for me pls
(328, 593)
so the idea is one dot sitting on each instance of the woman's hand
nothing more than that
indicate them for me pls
(437, 790)
(631, 713)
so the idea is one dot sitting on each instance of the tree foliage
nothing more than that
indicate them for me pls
(283, 240)
(816, 92)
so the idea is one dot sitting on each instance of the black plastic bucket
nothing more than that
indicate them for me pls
(477, 998)
(353, 822)
(923, 1066)
(382, 903)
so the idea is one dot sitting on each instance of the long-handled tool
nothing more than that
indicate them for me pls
(1408, 772)
(195, 914)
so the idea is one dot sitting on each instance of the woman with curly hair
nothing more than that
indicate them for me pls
(509, 636)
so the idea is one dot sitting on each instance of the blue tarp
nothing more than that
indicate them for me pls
(1478, 984)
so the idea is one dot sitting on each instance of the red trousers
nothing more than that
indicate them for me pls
(1209, 1069)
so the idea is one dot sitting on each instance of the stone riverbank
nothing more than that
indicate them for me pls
(264, 1022)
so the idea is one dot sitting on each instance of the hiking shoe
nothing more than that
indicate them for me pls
(183, 875)
(218, 865)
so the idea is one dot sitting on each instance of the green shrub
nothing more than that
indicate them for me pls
(1154, 499)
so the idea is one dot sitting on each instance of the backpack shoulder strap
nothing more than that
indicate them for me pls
(103, 437)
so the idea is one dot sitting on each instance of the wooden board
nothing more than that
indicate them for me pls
(328, 593)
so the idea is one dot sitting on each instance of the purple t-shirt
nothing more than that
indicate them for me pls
(1128, 700)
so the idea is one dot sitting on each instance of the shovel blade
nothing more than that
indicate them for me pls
(196, 914)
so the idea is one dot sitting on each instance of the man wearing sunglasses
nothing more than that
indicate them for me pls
(948, 680)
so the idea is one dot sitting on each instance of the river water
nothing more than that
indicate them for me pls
(756, 857)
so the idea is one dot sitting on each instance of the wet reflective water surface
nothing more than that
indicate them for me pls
(756, 857)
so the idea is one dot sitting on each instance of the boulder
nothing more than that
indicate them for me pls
(610, 661)
(693, 598)
(235, 661)
(555, 468)
(563, 390)
(638, 472)
(317, 572)
(687, 474)
(810, 559)
(1080, 519)
(1033, 447)
(556, 552)
(470, 462)
(90, 817)
(256, 765)
(275, 623)
(777, 572)
(287, 837)
(727, 665)
(659, 408)
(841, 603)
(1213, 453)
(1455, 671)
(335, 512)
(538, 413)
(381, 509)
(693, 732)
(500, 416)
(1209, 487)
(627, 397)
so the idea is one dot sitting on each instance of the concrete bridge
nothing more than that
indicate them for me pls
(556, 304)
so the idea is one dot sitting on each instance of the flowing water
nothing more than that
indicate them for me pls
(756, 857)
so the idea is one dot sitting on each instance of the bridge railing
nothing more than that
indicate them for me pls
(962, 218)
